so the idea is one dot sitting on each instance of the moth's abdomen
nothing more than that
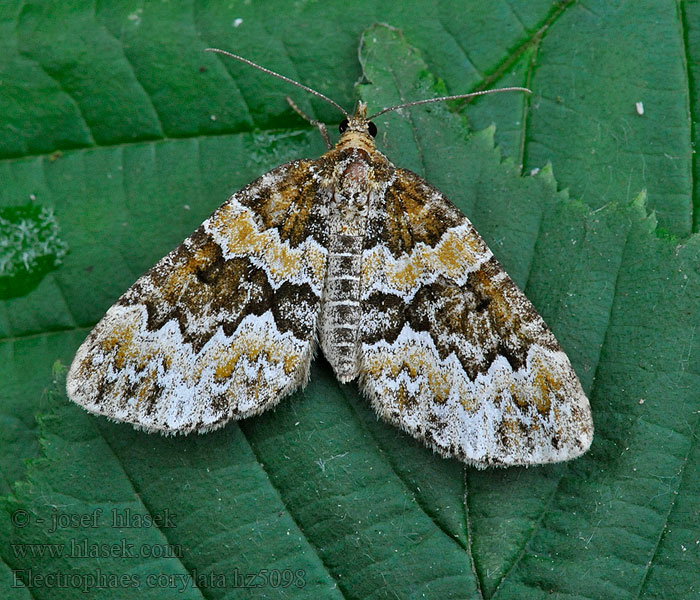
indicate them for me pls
(340, 308)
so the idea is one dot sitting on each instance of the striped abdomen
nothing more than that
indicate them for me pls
(340, 309)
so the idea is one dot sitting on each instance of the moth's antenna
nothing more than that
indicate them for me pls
(282, 77)
(443, 98)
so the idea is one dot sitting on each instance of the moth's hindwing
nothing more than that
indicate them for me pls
(451, 350)
(224, 325)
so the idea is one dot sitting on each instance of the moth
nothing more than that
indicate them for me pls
(372, 264)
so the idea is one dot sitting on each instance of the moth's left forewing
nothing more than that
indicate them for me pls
(223, 326)
(451, 350)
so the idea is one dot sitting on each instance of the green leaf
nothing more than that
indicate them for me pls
(153, 134)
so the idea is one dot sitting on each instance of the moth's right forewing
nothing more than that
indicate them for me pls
(223, 326)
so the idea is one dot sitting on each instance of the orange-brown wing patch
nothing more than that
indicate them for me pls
(223, 326)
(454, 353)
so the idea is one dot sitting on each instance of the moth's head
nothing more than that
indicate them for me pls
(358, 123)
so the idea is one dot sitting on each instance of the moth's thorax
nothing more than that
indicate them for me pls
(349, 195)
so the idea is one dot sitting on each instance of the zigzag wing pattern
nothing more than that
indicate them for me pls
(223, 326)
(452, 351)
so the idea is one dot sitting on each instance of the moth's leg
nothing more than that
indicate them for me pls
(314, 122)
